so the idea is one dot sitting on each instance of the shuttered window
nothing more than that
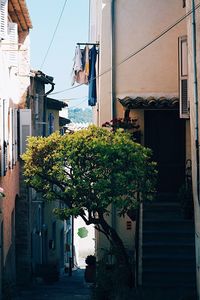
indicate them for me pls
(183, 77)
(25, 128)
(15, 135)
(4, 136)
(11, 139)
(13, 44)
(3, 18)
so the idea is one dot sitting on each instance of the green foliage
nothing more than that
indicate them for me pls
(89, 170)
(111, 282)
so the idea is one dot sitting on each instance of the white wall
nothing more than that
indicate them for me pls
(83, 246)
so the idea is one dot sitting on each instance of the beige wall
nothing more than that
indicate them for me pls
(135, 27)
(56, 119)
(24, 66)
(158, 61)
(152, 72)
(49, 218)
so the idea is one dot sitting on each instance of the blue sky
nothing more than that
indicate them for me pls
(73, 28)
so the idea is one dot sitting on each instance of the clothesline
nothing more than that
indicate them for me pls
(88, 44)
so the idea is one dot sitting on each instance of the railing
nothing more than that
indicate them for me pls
(138, 246)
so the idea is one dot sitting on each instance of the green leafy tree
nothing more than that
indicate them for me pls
(89, 170)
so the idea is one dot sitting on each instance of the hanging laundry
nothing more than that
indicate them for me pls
(77, 66)
(85, 60)
(80, 71)
(82, 76)
(92, 97)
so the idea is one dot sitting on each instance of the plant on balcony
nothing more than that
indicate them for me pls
(127, 124)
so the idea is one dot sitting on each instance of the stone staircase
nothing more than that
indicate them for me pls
(168, 246)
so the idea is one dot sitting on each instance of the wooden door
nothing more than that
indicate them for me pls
(165, 135)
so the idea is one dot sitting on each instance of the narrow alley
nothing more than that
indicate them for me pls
(67, 288)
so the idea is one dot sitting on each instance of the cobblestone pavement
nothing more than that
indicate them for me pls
(67, 288)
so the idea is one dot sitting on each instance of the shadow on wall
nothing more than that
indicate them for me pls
(9, 274)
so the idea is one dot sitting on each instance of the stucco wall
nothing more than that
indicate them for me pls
(193, 125)
(152, 72)
(53, 255)
(136, 24)
(10, 184)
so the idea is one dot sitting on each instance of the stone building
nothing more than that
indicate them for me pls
(15, 24)
(142, 74)
(40, 236)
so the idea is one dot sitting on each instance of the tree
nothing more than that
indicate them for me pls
(89, 170)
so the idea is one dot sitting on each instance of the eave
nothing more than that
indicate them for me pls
(149, 103)
(63, 121)
(19, 14)
(55, 104)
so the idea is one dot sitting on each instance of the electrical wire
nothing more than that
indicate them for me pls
(51, 42)
(137, 51)
(86, 98)
(72, 99)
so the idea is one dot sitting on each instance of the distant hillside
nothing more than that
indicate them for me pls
(80, 115)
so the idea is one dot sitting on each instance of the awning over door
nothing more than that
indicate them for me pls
(149, 103)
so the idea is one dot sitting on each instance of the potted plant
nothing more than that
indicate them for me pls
(90, 270)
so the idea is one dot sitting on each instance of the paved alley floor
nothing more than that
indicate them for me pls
(67, 288)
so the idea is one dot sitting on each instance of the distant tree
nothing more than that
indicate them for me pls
(80, 115)
(89, 170)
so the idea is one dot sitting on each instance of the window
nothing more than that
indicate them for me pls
(183, 77)
(51, 123)
(3, 18)
(4, 136)
(25, 128)
(13, 47)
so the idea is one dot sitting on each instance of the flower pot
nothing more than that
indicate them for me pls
(90, 273)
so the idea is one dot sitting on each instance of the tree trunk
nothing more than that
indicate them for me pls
(117, 243)
(120, 253)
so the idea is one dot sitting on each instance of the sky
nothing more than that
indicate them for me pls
(73, 28)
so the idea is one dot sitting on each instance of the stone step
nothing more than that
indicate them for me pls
(169, 277)
(166, 197)
(159, 205)
(160, 225)
(170, 248)
(168, 255)
(167, 235)
(171, 214)
(166, 261)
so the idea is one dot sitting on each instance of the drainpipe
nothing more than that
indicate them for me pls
(113, 85)
(195, 86)
(45, 108)
(113, 62)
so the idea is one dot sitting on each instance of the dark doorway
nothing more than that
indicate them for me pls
(165, 135)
